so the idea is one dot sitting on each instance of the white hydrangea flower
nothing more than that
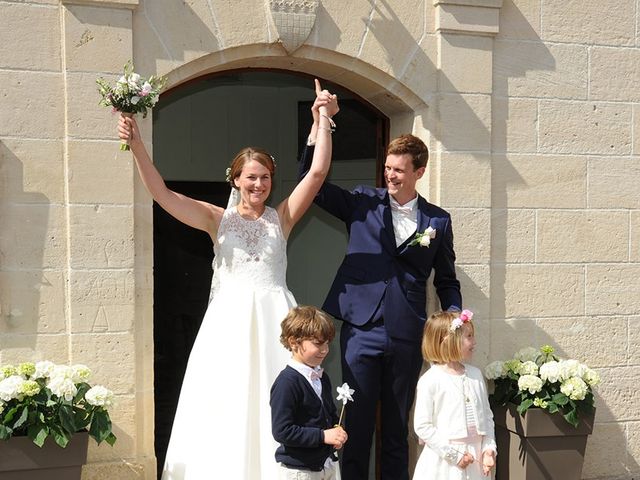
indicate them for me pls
(10, 387)
(29, 388)
(550, 371)
(575, 388)
(531, 383)
(528, 368)
(495, 370)
(571, 368)
(7, 371)
(591, 377)
(512, 365)
(26, 369)
(44, 369)
(63, 387)
(1, 407)
(99, 396)
(62, 371)
(81, 373)
(527, 354)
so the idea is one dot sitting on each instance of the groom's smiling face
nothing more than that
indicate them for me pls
(401, 177)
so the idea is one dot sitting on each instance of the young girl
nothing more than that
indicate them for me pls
(452, 414)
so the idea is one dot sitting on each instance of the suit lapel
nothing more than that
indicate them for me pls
(388, 223)
(423, 218)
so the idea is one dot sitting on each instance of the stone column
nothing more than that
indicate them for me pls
(109, 293)
(462, 160)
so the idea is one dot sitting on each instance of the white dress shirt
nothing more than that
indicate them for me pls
(405, 219)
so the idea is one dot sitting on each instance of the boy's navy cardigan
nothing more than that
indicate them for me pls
(298, 419)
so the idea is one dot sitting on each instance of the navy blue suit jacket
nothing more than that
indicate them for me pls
(376, 278)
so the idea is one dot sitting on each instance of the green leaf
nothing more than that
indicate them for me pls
(552, 407)
(22, 418)
(560, 399)
(524, 406)
(5, 432)
(60, 436)
(65, 414)
(572, 417)
(82, 389)
(100, 425)
(81, 418)
(38, 434)
(111, 439)
(10, 414)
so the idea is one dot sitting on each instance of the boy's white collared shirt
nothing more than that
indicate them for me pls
(305, 371)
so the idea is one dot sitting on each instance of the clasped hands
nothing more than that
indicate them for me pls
(325, 103)
(488, 461)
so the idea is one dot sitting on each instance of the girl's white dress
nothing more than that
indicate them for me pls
(223, 415)
(440, 418)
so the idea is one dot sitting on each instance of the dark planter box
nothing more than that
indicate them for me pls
(21, 459)
(539, 445)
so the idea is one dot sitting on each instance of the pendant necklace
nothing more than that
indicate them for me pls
(464, 384)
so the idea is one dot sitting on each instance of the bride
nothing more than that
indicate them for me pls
(223, 415)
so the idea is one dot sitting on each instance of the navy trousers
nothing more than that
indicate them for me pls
(381, 368)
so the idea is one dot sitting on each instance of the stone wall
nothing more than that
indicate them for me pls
(530, 108)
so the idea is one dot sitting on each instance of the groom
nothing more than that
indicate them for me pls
(379, 292)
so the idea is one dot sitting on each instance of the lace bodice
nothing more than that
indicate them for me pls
(249, 253)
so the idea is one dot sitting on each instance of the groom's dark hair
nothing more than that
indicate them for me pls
(412, 145)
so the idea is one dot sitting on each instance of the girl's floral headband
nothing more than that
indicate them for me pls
(465, 317)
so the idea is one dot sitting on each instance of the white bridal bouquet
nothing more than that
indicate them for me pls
(537, 378)
(131, 94)
(44, 399)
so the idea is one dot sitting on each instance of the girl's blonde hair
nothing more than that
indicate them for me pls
(306, 323)
(439, 343)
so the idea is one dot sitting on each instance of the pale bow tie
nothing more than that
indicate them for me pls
(405, 209)
(316, 374)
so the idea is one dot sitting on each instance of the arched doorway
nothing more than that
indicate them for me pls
(197, 129)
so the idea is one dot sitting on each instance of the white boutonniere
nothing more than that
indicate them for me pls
(424, 239)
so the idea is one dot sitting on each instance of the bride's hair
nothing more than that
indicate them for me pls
(247, 154)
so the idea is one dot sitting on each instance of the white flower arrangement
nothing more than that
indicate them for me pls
(131, 94)
(537, 378)
(44, 399)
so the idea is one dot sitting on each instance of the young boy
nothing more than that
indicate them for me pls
(303, 415)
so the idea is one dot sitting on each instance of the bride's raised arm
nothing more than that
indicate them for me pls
(195, 213)
(292, 208)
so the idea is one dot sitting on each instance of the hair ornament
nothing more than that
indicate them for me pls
(227, 174)
(273, 160)
(464, 317)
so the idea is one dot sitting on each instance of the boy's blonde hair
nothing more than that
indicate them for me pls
(439, 343)
(306, 323)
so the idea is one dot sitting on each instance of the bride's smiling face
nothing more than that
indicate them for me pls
(254, 183)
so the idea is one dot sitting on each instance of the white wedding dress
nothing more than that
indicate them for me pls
(222, 427)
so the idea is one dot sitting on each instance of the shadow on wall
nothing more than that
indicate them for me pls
(30, 284)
